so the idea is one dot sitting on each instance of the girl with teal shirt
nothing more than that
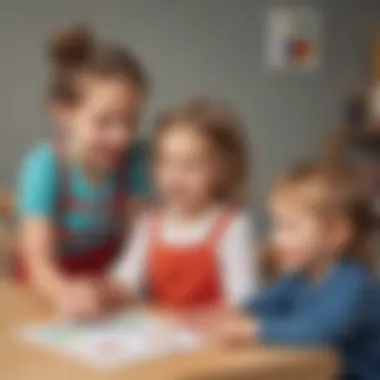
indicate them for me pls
(74, 192)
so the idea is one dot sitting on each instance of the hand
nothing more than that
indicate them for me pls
(236, 330)
(205, 319)
(78, 299)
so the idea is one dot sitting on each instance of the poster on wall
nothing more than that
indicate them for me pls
(293, 38)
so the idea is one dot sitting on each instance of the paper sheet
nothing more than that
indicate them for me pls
(120, 340)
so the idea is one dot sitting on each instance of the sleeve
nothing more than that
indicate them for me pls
(239, 261)
(38, 184)
(273, 300)
(138, 183)
(129, 270)
(325, 323)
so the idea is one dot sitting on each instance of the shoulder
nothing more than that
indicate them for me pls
(39, 158)
(239, 236)
(38, 181)
(352, 277)
(241, 222)
(39, 164)
(352, 271)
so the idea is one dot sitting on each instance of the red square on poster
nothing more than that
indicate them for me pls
(301, 50)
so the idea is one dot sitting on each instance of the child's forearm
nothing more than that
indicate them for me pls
(47, 278)
(38, 248)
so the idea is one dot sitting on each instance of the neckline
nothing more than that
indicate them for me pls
(99, 187)
(214, 230)
(208, 216)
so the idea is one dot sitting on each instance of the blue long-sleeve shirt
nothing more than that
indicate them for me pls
(342, 312)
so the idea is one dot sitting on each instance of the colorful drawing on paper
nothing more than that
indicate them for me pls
(293, 38)
(123, 339)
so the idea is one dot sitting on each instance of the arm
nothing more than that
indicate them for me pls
(38, 250)
(239, 261)
(273, 300)
(126, 280)
(38, 190)
(327, 322)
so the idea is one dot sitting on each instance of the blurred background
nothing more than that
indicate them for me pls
(213, 48)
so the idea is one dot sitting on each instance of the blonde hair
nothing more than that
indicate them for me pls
(333, 191)
(221, 127)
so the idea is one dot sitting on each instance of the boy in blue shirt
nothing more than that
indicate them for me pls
(327, 296)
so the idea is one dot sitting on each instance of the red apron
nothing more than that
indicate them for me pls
(186, 276)
(97, 260)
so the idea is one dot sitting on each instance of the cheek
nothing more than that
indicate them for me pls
(81, 128)
(312, 239)
(288, 246)
(200, 180)
(164, 175)
(295, 245)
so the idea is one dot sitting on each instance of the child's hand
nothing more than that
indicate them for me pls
(205, 319)
(79, 299)
(236, 330)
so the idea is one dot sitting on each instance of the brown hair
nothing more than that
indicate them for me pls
(333, 191)
(220, 126)
(75, 52)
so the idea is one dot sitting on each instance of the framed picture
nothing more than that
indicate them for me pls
(293, 38)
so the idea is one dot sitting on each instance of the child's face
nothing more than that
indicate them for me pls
(186, 169)
(103, 124)
(298, 236)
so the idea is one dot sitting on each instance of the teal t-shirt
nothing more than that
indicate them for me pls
(40, 190)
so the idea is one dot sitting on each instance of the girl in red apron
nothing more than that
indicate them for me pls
(196, 249)
(73, 195)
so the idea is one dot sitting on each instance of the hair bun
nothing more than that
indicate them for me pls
(71, 47)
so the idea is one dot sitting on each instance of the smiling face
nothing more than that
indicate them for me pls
(186, 169)
(102, 125)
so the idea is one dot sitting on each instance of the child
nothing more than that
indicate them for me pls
(196, 249)
(73, 191)
(327, 296)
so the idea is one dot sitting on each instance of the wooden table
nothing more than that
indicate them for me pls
(22, 361)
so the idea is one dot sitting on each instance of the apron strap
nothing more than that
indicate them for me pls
(154, 225)
(121, 195)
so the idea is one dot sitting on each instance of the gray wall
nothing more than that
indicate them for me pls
(192, 47)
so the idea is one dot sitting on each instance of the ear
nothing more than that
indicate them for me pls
(343, 232)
